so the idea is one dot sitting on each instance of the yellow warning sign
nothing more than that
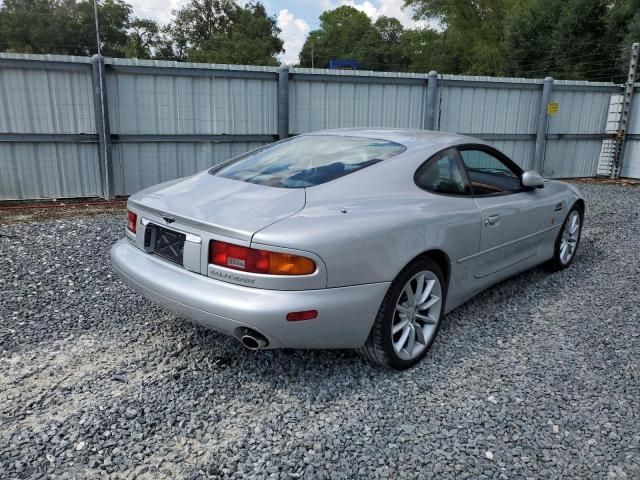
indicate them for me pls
(553, 108)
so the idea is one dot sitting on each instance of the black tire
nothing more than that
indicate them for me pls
(378, 348)
(556, 264)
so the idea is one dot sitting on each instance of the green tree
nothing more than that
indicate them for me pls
(579, 48)
(26, 26)
(426, 49)
(529, 37)
(474, 32)
(341, 35)
(623, 29)
(144, 38)
(63, 27)
(221, 31)
(632, 35)
(387, 39)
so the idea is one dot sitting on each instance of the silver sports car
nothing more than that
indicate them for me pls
(351, 238)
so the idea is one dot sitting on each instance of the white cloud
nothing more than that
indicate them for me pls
(294, 32)
(158, 10)
(376, 8)
(294, 29)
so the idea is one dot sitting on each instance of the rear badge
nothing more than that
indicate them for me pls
(229, 277)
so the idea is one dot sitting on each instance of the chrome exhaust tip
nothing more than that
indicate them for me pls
(253, 340)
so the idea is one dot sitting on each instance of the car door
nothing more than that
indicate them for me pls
(512, 216)
(454, 219)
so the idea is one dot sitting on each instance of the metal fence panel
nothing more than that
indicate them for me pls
(634, 122)
(165, 116)
(466, 108)
(164, 104)
(48, 170)
(46, 101)
(631, 161)
(343, 101)
(478, 106)
(141, 164)
(47, 95)
(581, 111)
(566, 158)
(631, 164)
(520, 151)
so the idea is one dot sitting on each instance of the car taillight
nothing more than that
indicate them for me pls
(132, 221)
(258, 261)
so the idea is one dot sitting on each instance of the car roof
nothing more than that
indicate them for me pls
(411, 138)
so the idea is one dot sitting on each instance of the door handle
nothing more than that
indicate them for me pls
(491, 220)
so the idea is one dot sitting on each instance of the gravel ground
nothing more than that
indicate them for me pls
(539, 377)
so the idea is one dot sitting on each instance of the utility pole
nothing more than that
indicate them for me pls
(95, 16)
(627, 98)
(312, 55)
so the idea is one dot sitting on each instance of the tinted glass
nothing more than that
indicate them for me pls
(488, 174)
(306, 161)
(479, 160)
(443, 175)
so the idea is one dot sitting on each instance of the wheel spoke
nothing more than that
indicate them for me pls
(429, 303)
(419, 287)
(420, 335)
(411, 340)
(426, 319)
(402, 308)
(400, 325)
(409, 293)
(427, 291)
(563, 250)
(403, 338)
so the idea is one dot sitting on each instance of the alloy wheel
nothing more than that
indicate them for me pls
(416, 315)
(570, 237)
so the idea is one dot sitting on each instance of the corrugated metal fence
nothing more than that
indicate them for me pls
(631, 164)
(166, 120)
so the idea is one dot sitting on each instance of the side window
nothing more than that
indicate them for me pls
(488, 174)
(443, 174)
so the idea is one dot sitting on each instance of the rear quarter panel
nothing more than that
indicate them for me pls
(377, 237)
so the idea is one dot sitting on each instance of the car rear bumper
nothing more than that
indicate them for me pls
(345, 315)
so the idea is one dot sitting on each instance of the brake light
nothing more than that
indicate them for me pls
(258, 261)
(132, 221)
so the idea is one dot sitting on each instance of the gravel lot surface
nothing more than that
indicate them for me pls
(539, 377)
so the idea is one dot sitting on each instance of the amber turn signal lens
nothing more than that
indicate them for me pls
(285, 264)
(258, 261)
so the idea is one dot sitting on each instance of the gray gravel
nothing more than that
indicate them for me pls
(539, 377)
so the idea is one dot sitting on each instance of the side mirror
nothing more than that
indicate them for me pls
(532, 179)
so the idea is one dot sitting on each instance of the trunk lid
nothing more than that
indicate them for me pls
(219, 205)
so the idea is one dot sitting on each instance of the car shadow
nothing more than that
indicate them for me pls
(488, 321)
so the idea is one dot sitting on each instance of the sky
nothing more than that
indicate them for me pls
(296, 18)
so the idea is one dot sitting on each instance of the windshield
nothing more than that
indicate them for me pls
(306, 161)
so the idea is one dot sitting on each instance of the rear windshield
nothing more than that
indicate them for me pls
(306, 161)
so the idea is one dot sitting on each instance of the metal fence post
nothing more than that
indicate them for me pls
(543, 123)
(432, 98)
(283, 103)
(625, 115)
(101, 111)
